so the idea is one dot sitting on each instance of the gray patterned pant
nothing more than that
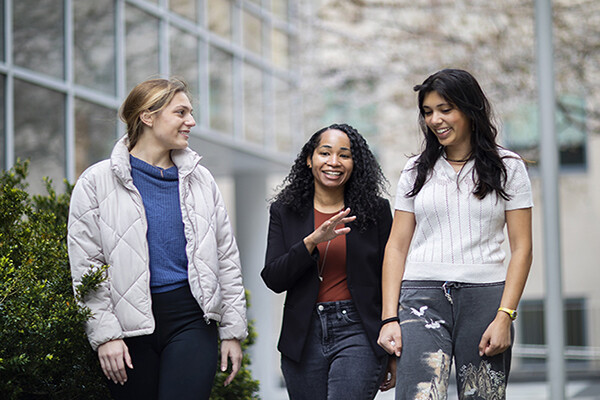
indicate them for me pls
(441, 321)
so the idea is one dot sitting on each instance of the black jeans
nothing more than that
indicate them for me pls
(178, 360)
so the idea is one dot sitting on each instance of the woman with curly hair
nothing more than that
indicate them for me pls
(447, 293)
(327, 233)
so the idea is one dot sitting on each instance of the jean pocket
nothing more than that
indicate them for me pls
(350, 316)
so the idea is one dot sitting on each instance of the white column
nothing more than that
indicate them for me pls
(252, 218)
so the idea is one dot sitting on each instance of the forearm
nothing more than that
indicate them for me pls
(391, 278)
(516, 278)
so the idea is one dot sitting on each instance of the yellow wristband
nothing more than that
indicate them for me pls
(511, 313)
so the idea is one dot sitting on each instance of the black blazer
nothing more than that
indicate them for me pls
(289, 267)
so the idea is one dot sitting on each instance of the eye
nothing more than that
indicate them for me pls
(427, 113)
(346, 155)
(447, 110)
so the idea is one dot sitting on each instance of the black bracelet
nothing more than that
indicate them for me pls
(388, 320)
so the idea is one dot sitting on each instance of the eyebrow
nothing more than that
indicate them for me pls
(330, 147)
(184, 107)
(446, 104)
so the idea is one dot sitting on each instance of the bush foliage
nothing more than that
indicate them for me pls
(44, 353)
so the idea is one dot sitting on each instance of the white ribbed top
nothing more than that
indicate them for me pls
(457, 236)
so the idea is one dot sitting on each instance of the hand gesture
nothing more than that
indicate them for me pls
(327, 230)
(390, 338)
(231, 348)
(113, 356)
(496, 337)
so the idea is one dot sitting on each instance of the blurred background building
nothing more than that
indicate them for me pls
(265, 74)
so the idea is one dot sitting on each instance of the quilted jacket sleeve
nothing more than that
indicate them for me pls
(233, 323)
(86, 253)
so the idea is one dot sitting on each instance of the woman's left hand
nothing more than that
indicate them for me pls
(389, 381)
(496, 337)
(232, 349)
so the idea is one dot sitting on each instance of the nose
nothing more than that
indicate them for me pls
(190, 121)
(333, 160)
(435, 118)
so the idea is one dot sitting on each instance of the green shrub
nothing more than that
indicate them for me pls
(44, 353)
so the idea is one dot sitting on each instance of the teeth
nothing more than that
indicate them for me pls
(333, 173)
(442, 131)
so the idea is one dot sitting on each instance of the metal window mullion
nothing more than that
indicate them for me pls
(269, 140)
(203, 82)
(120, 59)
(163, 40)
(237, 69)
(9, 84)
(69, 97)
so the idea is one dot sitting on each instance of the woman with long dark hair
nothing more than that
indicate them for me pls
(327, 233)
(447, 293)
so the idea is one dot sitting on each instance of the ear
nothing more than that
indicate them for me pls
(147, 118)
(309, 162)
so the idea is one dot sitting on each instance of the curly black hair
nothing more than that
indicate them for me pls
(362, 191)
(461, 89)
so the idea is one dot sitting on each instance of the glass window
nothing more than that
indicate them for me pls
(95, 132)
(279, 46)
(532, 329)
(253, 104)
(283, 134)
(94, 44)
(252, 33)
(280, 8)
(219, 17)
(185, 8)
(521, 131)
(40, 133)
(221, 90)
(184, 62)
(39, 36)
(2, 123)
(141, 46)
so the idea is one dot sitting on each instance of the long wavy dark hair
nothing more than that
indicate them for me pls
(461, 89)
(362, 191)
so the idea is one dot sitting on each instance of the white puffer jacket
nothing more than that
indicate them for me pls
(107, 226)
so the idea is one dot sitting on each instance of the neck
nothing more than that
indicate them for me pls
(329, 201)
(457, 155)
(152, 155)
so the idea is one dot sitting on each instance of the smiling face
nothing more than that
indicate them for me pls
(331, 162)
(169, 129)
(450, 125)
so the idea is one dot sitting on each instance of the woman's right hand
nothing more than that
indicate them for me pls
(114, 355)
(390, 338)
(327, 230)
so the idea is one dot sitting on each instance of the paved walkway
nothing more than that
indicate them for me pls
(576, 390)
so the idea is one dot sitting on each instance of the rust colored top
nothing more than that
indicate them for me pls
(332, 265)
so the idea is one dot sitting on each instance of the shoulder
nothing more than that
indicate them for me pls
(510, 158)
(95, 172)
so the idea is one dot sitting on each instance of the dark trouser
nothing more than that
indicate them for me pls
(445, 320)
(338, 361)
(177, 361)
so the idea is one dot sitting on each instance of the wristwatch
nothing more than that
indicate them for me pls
(511, 313)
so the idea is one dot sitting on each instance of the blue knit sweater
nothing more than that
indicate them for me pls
(166, 239)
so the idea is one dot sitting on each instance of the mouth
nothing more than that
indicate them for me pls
(185, 133)
(332, 173)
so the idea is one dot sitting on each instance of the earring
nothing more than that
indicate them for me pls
(309, 166)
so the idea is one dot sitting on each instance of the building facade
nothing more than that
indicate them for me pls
(66, 66)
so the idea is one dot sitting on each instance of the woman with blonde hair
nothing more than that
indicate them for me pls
(154, 214)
